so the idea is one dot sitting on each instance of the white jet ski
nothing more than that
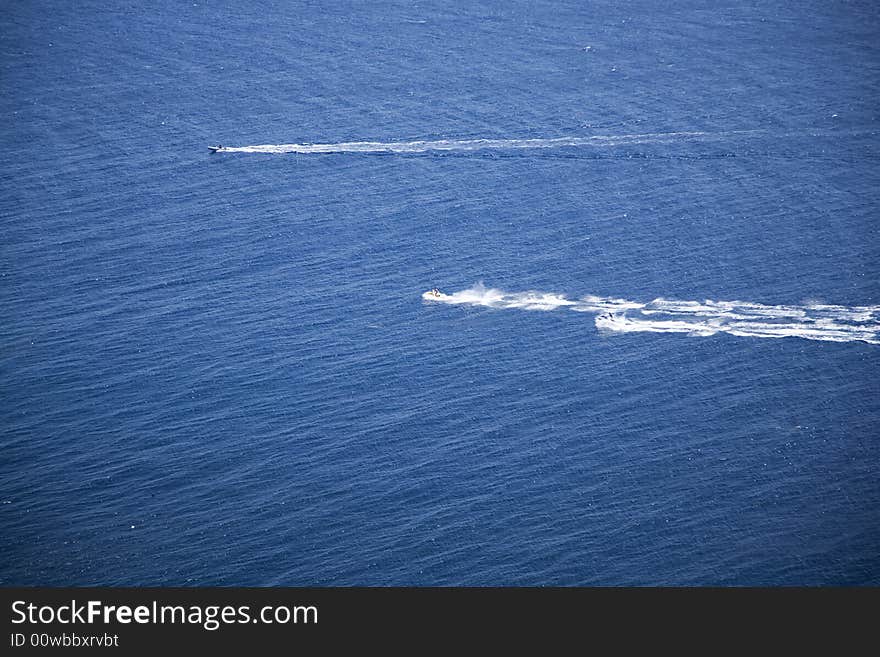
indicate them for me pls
(434, 295)
(610, 320)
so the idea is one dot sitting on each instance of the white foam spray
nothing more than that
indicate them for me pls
(823, 322)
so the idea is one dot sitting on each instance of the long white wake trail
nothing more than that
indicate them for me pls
(698, 318)
(465, 145)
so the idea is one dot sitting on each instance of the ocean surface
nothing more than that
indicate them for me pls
(653, 227)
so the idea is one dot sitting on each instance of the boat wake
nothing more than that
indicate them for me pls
(699, 318)
(466, 145)
(725, 138)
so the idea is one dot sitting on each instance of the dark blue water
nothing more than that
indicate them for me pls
(218, 369)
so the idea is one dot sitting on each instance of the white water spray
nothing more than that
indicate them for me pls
(823, 322)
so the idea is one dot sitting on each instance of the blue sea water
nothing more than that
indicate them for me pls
(218, 369)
